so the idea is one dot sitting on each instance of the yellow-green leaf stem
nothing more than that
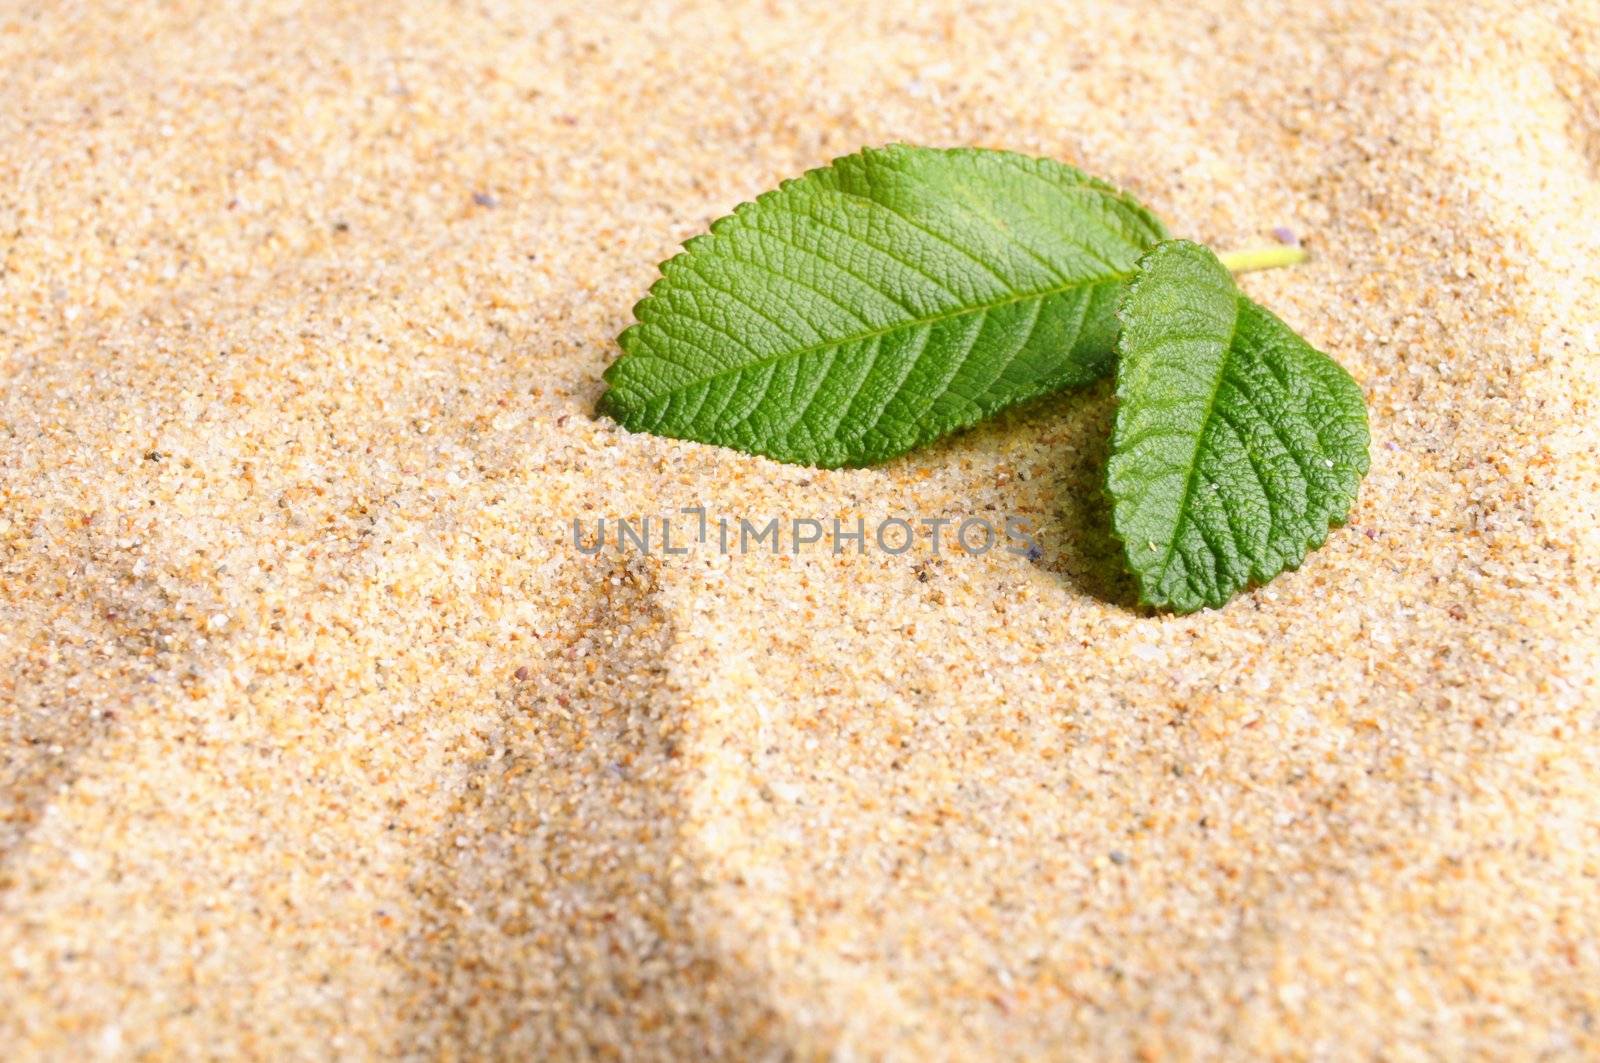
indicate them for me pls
(1255, 258)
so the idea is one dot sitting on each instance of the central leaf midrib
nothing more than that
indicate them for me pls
(974, 308)
(1200, 441)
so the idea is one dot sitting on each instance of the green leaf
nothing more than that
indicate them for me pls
(889, 298)
(1236, 443)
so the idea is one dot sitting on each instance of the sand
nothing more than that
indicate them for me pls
(320, 739)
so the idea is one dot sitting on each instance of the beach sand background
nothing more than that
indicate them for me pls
(319, 738)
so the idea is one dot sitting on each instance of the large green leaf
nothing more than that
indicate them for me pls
(1236, 443)
(879, 302)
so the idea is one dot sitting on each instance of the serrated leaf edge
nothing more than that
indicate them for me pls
(612, 401)
(1315, 538)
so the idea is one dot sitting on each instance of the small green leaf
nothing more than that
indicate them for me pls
(875, 304)
(1236, 443)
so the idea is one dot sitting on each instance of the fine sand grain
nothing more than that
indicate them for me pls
(318, 738)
